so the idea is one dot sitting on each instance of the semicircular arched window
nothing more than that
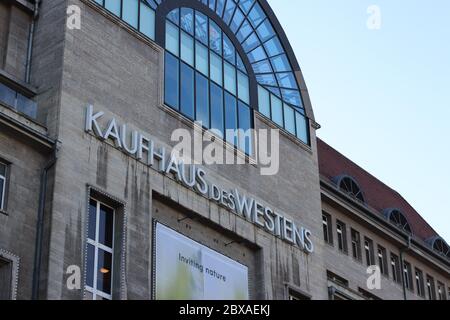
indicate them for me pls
(440, 246)
(205, 78)
(349, 186)
(397, 218)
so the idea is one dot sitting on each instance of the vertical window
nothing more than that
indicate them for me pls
(430, 288)
(341, 230)
(217, 92)
(356, 245)
(289, 119)
(395, 268)
(100, 250)
(113, 6)
(187, 91)
(419, 283)
(3, 168)
(382, 260)
(171, 83)
(407, 276)
(147, 20)
(5, 279)
(368, 249)
(277, 110)
(130, 12)
(327, 228)
(441, 291)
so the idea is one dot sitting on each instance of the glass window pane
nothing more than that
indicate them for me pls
(92, 220)
(212, 4)
(243, 88)
(256, 15)
(277, 110)
(264, 101)
(229, 53)
(220, 7)
(251, 43)
(174, 16)
(2, 169)
(2, 189)
(244, 31)
(262, 67)
(130, 12)
(26, 106)
(106, 226)
(231, 118)
(7, 95)
(287, 80)
(217, 109)
(113, 6)
(171, 85)
(257, 54)
(215, 37)
(201, 58)
(147, 21)
(292, 97)
(201, 27)
(187, 91)
(289, 119)
(240, 64)
(281, 63)
(245, 124)
(216, 69)
(302, 127)
(187, 20)
(267, 79)
(265, 31)
(187, 48)
(202, 100)
(246, 5)
(104, 271)
(273, 47)
(90, 268)
(172, 34)
(230, 78)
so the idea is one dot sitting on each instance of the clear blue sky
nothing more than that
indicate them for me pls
(382, 97)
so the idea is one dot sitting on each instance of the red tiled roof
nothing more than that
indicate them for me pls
(376, 194)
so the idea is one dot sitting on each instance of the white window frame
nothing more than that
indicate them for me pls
(3, 183)
(97, 245)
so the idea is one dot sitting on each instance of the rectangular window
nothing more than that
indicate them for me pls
(338, 279)
(277, 110)
(264, 101)
(171, 86)
(419, 283)
(289, 120)
(341, 230)
(147, 21)
(217, 109)
(245, 124)
(230, 82)
(201, 58)
(431, 288)
(130, 12)
(187, 91)
(327, 228)
(100, 250)
(231, 119)
(243, 88)
(441, 291)
(3, 169)
(356, 245)
(172, 38)
(395, 268)
(5, 279)
(302, 127)
(187, 48)
(368, 249)
(113, 6)
(407, 276)
(382, 260)
(216, 68)
(202, 100)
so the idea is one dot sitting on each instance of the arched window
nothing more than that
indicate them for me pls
(205, 78)
(440, 246)
(348, 185)
(397, 218)
(273, 74)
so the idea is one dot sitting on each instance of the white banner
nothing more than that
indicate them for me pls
(187, 270)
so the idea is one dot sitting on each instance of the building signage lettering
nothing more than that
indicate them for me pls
(142, 148)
